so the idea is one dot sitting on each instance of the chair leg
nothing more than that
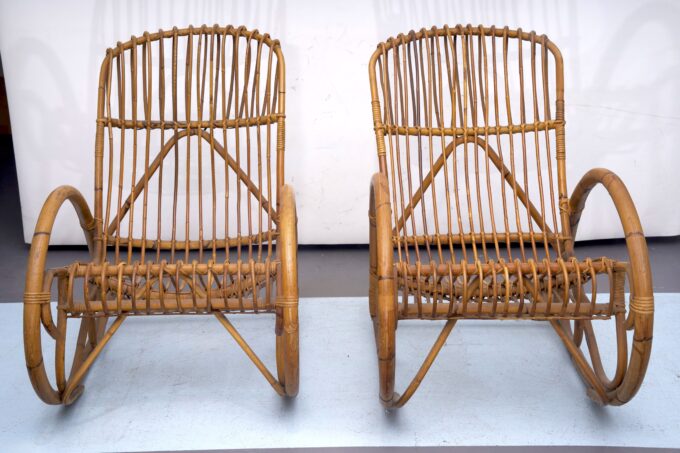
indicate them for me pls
(630, 371)
(382, 302)
(288, 350)
(385, 326)
(278, 387)
(91, 341)
(372, 263)
(399, 400)
(595, 388)
(373, 270)
(34, 356)
(87, 352)
(88, 338)
(287, 297)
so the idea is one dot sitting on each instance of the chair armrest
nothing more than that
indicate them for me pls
(380, 217)
(43, 230)
(287, 242)
(641, 275)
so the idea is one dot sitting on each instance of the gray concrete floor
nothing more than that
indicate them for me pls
(523, 449)
(179, 382)
(324, 270)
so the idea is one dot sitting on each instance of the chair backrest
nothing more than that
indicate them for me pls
(189, 145)
(468, 122)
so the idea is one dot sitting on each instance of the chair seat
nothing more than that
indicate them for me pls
(520, 289)
(166, 288)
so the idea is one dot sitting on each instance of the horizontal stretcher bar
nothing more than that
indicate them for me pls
(510, 288)
(526, 268)
(262, 120)
(488, 238)
(473, 131)
(254, 240)
(540, 310)
(170, 269)
(169, 304)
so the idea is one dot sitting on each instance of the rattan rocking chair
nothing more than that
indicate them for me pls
(189, 155)
(470, 216)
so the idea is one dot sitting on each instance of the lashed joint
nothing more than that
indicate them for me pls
(37, 298)
(643, 305)
(89, 226)
(565, 206)
(286, 302)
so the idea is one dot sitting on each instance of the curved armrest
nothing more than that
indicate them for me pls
(641, 281)
(43, 230)
(287, 242)
(380, 216)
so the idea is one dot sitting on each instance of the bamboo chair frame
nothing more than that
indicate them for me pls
(443, 109)
(234, 146)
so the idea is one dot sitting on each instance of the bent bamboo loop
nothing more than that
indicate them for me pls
(641, 295)
(35, 273)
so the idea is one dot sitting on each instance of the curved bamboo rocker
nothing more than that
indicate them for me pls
(190, 258)
(470, 216)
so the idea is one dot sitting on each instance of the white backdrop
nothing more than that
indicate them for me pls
(622, 75)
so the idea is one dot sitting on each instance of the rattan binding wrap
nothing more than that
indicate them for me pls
(469, 214)
(191, 211)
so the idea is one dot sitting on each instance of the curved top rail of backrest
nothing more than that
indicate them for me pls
(403, 40)
(474, 31)
(176, 33)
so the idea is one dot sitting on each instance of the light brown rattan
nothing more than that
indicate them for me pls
(190, 130)
(470, 215)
